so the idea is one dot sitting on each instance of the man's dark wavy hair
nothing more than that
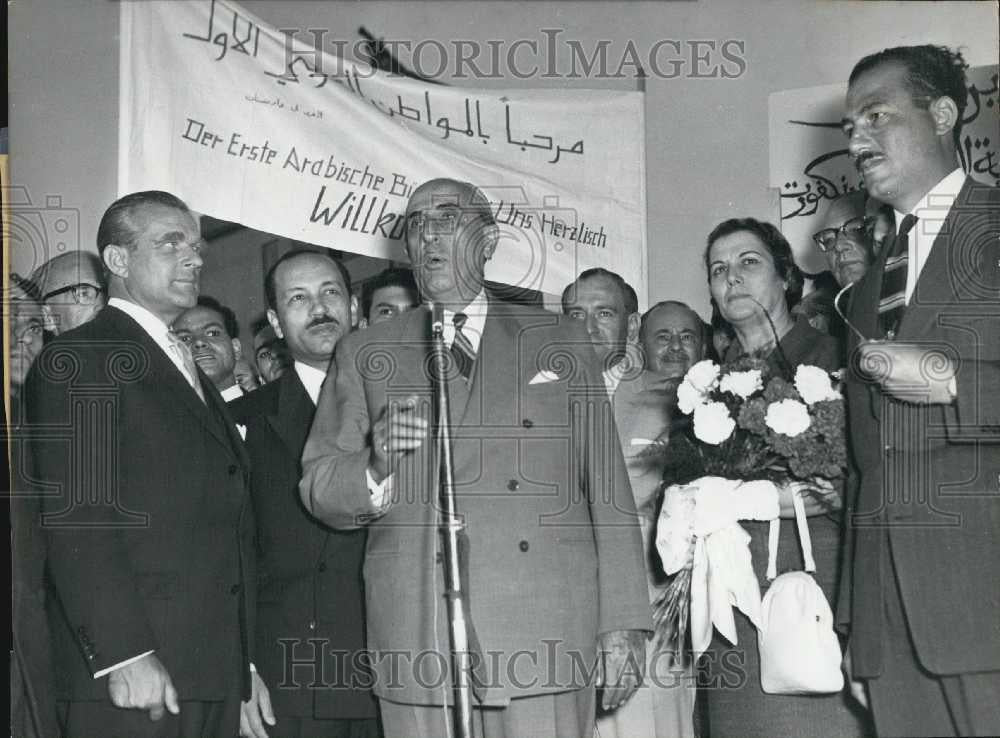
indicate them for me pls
(931, 72)
(777, 245)
(229, 321)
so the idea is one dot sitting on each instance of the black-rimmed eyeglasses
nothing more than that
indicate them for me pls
(858, 227)
(83, 293)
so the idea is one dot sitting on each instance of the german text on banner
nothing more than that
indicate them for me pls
(248, 124)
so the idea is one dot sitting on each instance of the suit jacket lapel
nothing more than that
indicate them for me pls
(496, 375)
(293, 415)
(173, 385)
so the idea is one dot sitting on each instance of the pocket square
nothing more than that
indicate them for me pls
(641, 442)
(242, 430)
(544, 377)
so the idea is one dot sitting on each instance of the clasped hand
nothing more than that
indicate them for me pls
(909, 372)
(621, 665)
(399, 429)
(144, 685)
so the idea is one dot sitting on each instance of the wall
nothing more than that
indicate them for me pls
(707, 152)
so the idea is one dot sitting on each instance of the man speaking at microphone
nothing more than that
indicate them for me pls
(552, 573)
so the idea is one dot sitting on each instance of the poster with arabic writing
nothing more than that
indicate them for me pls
(252, 125)
(809, 164)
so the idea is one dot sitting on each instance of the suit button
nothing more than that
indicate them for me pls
(512, 485)
(523, 545)
(438, 557)
(235, 589)
(322, 566)
(233, 469)
(527, 423)
(888, 448)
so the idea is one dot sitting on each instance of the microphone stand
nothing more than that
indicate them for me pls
(450, 527)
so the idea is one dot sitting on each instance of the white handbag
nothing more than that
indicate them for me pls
(799, 650)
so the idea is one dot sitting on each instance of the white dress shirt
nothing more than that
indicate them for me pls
(931, 211)
(311, 378)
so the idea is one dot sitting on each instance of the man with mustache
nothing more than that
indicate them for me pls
(210, 331)
(923, 596)
(310, 621)
(551, 562)
(146, 502)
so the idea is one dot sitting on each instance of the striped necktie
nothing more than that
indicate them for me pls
(181, 350)
(892, 300)
(461, 348)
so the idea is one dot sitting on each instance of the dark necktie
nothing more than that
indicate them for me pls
(892, 300)
(461, 348)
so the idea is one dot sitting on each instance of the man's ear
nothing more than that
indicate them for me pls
(944, 111)
(272, 318)
(491, 235)
(354, 312)
(116, 259)
(237, 348)
(632, 331)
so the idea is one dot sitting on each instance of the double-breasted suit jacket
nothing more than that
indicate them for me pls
(554, 553)
(147, 513)
(310, 609)
(929, 474)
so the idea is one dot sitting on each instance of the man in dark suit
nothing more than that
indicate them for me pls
(554, 556)
(925, 591)
(310, 614)
(147, 505)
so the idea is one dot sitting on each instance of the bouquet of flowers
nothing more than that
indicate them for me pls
(741, 423)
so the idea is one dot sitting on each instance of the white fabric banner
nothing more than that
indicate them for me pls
(810, 165)
(249, 125)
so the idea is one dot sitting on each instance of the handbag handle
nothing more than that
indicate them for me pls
(773, 531)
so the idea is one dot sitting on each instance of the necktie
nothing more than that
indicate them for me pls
(892, 300)
(461, 348)
(182, 351)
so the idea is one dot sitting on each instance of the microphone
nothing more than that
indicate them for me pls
(437, 318)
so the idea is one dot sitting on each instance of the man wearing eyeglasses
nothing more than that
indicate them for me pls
(554, 557)
(924, 590)
(73, 289)
(848, 235)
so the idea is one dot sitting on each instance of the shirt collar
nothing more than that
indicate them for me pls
(934, 206)
(231, 392)
(475, 321)
(312, 379)
(155, 327)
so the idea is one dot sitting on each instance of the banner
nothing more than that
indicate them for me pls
(809, 164)
(247, 124)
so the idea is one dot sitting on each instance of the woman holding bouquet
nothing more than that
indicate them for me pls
(754, 281)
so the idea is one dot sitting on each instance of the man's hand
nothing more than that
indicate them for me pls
(857, 688)
(257, 710)
(398, 430)
(144, 685)
(621, 665)
(909, 372)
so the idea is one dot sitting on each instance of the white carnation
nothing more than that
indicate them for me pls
(742, 384)
(713, 423)
(704, 375)
(688, 398)
(788, 417)
(813, 384)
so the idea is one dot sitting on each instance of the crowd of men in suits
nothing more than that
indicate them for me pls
(213, 539)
